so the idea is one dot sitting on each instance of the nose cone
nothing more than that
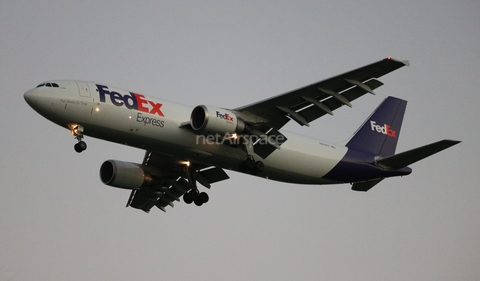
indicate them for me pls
(31, 97)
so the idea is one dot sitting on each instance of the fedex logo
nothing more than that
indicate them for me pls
(130, 101)
(225, 116)
(385, 129)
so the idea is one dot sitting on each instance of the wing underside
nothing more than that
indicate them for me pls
(174, 186)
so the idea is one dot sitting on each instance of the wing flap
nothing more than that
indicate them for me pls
(311, 113)
(145, 199)
(211, 175)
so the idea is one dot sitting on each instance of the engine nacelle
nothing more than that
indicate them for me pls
(210, 119)
(124, 174)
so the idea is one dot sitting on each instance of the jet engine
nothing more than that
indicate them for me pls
(124, 175)
(215, 120)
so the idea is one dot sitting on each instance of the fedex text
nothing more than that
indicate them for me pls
(225, 116)
(130, 101)
(385, 129)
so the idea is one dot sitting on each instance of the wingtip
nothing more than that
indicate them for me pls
(453, 142)
(405, 62)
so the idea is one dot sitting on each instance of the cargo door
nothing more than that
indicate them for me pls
(83, 89)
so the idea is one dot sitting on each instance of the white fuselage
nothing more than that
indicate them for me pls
(158, 125)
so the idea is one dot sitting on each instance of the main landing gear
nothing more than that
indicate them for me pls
(252, 166)
(77, 132)
(194, 195)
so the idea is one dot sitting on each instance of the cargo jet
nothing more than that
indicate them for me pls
(185, 145)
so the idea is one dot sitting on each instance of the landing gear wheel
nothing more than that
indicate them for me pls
(252, 166)
(247, 165)
(198, 199)
(80, 146)
(259, 166)
(188, 198)
(203, 197)
(198, 202)
(250, 163)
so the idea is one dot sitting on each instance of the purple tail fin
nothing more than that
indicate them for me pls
(379, 134)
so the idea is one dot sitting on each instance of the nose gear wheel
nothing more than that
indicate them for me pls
(80, 146)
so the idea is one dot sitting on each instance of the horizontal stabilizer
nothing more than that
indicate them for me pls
(409, 157)
(365, 186)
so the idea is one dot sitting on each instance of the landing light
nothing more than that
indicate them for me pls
(231, 136)
(187, 163)
(73, 129)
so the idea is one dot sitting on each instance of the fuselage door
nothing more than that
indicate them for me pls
(83, 89)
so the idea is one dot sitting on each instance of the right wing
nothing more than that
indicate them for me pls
(313, 101)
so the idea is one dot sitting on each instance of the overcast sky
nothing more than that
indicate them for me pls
(59, 222)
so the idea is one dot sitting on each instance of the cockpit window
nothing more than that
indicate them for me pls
(55, 85)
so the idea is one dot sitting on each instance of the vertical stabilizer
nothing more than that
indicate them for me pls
(380, 132)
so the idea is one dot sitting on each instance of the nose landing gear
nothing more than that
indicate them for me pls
(80, 146)
(77, 132)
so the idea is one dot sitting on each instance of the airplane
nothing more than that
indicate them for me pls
(185, 145)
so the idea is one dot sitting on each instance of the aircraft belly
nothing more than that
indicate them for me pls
(299, 160)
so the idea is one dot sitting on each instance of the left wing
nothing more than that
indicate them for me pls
(173, 186)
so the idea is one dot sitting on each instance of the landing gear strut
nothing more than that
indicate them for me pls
(77, 132)
(199, 198)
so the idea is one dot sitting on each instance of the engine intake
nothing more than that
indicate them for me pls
(215, 120)
(124, 175)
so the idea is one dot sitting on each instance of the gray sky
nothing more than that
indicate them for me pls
(59, 222)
